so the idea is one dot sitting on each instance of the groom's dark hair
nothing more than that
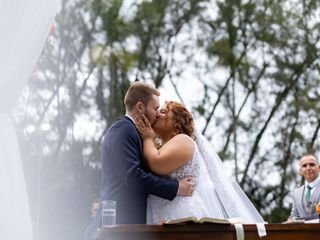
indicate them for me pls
(139, 92)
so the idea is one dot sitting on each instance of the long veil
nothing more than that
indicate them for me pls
(227, 193)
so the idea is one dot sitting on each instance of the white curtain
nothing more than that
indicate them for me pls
(24, 27)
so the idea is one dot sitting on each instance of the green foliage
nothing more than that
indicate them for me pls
(223, 50)
(278, 215)
(114, 25)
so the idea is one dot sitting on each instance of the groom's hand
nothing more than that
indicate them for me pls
(186, 186)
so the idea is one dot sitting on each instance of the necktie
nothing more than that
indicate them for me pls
(308, 195)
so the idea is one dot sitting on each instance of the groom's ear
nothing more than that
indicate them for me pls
(140, 107)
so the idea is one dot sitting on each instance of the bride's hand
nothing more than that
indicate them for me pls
(144, 127)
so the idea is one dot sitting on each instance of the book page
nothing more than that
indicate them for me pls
(182, 220)
(220, 220)
(192, 219)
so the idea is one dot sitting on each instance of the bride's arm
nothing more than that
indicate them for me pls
(171, 156)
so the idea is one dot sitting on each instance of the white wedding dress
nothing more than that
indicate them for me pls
(215, 195)
(159, 209)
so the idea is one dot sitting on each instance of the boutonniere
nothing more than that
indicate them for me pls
(318, 207)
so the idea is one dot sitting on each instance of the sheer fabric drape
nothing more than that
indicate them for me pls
(24, 26)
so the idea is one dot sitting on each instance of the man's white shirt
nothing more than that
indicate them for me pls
(312, 184)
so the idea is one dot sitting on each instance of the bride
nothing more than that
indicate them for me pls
(185, 153)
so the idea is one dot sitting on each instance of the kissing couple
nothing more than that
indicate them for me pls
(157, 167)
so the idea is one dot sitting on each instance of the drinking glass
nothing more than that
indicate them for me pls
(109, 208)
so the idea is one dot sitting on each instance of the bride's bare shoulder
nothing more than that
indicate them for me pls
(184, 140)
(182, 136)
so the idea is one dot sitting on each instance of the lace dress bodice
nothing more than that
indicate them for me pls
(190, 169)
(159, 209)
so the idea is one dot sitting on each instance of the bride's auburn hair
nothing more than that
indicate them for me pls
(183, 120)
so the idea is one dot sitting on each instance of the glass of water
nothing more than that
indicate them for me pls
(109, 208)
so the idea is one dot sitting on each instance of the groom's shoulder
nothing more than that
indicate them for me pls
(122, 124)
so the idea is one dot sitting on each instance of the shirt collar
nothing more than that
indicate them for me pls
(131, 118)
(313, 183)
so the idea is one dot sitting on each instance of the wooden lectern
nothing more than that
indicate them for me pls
(209, 232)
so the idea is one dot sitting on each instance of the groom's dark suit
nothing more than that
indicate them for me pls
(125, 177)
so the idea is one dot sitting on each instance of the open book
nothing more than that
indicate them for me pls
(204, 220)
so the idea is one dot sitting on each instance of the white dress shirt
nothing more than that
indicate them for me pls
(312, 184)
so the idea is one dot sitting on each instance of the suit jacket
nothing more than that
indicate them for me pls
(125, 177)
(301, 208)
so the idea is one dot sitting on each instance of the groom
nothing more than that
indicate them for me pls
(125, 176)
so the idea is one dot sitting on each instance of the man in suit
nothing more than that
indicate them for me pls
(125, 176)
(306, 196)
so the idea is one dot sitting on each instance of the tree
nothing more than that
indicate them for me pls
(257, 65)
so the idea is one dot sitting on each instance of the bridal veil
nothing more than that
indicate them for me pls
(227, 194)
